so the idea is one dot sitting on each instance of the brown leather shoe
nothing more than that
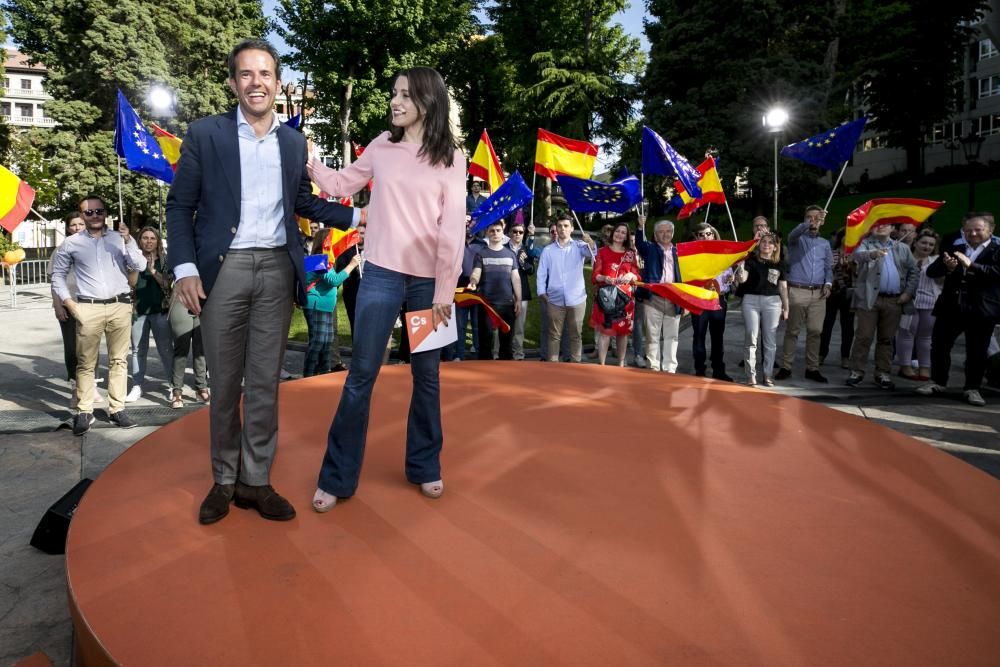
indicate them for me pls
(265, 500)
(216, 504)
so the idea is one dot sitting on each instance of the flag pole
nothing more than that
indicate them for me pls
(534, 175)
(830, 199)
(731, 223)
(592, 255)
(121, 206)
(41, 217)
(708, 208)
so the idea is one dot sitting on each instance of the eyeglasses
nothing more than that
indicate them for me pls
(94, 211)
(517, 231)
(704, 235)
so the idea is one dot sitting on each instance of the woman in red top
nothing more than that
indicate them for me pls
(615, 265)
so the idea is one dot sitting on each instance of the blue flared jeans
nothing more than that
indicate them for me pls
(380, 296)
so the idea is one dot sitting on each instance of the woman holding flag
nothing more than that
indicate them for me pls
(764, 289)
(413, 253)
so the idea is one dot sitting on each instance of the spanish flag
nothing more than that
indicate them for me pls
(466, 299)
(689, 297)
(711, 190)
(893, 211)
(485, 165)
(16, 198)
(556, 155)
(169, 144)
(337, 241)
(701, 261)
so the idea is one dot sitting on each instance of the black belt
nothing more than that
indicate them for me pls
(889, 296)
(280, 248)
(809, 287)
(121, 298)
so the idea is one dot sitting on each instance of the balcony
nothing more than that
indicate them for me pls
(33, 93)
(28, 121)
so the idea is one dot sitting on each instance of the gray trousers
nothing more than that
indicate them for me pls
(244, 327)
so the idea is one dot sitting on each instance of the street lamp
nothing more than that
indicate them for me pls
(774, 121)
(971, 145)
(161, 101)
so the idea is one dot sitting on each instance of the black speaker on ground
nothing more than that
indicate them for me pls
(50, 535)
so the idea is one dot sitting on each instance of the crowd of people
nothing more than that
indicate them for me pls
(906, 290)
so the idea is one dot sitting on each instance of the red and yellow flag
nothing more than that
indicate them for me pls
(485, 165)
(689, 297)
(700, 261)
(16, 198)
(711, 190)
(894, 211)
(337, 241)
(169, 144)
(556, 155)
(466, 299)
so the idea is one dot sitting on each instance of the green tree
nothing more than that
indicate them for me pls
(353, 50)
(92, 49)
(904, 61)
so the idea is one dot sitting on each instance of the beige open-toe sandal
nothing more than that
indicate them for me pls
(323, 501)
(432, 489)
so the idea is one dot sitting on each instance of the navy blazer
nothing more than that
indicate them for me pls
(972, 292)
(203, 206)
(652, 264)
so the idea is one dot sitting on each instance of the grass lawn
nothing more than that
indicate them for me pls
(299, 332)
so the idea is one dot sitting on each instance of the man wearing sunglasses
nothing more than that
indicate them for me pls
(103, 307)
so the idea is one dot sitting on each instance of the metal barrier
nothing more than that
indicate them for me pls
(33, 272)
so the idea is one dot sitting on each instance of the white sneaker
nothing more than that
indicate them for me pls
(930, 389)
(973, 397)
(134, 394)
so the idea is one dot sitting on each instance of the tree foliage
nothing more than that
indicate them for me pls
(354, 49)
(92, 49)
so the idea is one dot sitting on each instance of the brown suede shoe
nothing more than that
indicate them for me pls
(216, 504)
(265, 500)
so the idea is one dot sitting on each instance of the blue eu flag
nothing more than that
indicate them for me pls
(586, 196)
(830, 149)
(139, 148)
(509, 197)
(660, 159)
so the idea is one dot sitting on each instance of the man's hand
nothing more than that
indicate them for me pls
(784, 313)
(962, 259)
(69, 306)
(825, 291)
(123, 230)
(951, 261)
(531, 229)
(190, 292)
(904, 298)
(878, 254)
(517, 307)
(440, 314)
(589, 241)
(61, 313)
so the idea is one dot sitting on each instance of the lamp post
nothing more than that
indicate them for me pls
(971, 145)
(774, 121)
(161, 100)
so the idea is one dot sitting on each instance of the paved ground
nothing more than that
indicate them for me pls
(40, 459)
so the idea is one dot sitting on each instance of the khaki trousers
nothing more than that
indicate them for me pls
(113, 321)
(662, 321)
(881, 321)
(558, 316)
(804, 307)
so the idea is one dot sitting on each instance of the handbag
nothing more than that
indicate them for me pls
(612, 302)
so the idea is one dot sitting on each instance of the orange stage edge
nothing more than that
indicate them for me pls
(591, 516)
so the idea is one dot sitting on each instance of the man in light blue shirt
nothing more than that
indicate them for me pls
(810, 280)
(561, 287)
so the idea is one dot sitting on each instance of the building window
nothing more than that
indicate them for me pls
(5, 109)
(24, 110)
(989, 86)
(945, 131)
(25, 84)
(872, 143)
(6, 82)
(987, 50)
(989, 125)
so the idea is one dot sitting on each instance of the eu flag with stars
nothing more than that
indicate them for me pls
(139, 148)
(586, 196)
(660, 159)
(830, 149)
(509, 197)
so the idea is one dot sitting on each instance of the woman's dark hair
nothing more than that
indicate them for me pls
(430, 95)
(68, 218)
(628, 244)
(317, 244)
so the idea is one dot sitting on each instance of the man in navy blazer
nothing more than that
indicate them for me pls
(660, 316)
(236, 254)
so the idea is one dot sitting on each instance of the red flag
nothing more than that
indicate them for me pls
(465, 299)
(688, 297)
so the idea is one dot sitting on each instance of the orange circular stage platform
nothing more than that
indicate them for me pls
(591, 515)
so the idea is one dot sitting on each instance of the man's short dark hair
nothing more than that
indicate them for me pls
(813, 207)
(256, 45)
(99, 198)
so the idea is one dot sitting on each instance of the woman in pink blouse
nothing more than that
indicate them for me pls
(413, 251)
